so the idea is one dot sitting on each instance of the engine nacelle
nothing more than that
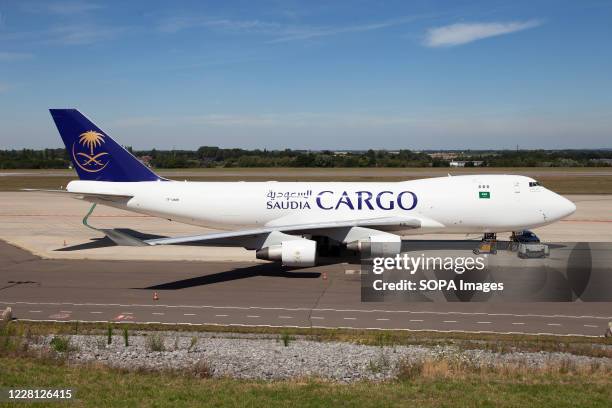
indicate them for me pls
(298, 252)
(376, 246)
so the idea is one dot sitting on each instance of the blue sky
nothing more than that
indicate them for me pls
(310, 74)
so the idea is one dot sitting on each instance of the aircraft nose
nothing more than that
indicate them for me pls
(570, 207)
(564, 207)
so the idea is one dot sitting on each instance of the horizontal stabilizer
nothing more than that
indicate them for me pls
(84, 196)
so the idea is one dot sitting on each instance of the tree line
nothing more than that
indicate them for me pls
(211, 156)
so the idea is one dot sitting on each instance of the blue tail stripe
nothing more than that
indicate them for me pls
(94, 154)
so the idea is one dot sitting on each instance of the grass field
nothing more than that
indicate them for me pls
(103, 387)
(562, 180)
(434, 383)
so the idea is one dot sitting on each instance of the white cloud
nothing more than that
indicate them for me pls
(281, 32)
(82, 34)
(72, 7)
(14, 56)
(176, 24)
(313, 32)
(60, 7)
(463, 33)
(69, 34)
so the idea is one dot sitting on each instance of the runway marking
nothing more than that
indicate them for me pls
(306, 309)
(253, 316)
(350, 318)
(450, 321)
(189, 314)
(60, 316)
(554, 324)
(35, 311)
(416, 320)
(317, 317)
(65, 311)
(220, 315)
(158, 313)
(382, 319)
(483, 322)
(95, 312)
(518, 323)
(590, 325)
(285, 317)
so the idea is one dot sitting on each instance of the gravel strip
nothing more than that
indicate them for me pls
(266, 357)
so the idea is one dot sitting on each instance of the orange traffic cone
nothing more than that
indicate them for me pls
(155, 296)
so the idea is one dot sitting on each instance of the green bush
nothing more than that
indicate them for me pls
(8, 341)
(201, 369)
(155, 342)
(409, 370)
(286, 338)
(60, 344)
(194, 342)
(379, 364)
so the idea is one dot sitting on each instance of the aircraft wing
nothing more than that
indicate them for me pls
(249, 236)
(382, 223)
(97, 197)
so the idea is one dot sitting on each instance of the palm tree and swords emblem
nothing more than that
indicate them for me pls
(90, 162)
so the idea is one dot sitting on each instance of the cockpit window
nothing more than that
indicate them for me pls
(534, 183)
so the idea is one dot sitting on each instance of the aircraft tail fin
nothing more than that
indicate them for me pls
(94, 154)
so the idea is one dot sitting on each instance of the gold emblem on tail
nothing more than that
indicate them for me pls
(94, 161)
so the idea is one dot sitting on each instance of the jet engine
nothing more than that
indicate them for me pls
(377, 246)
(298, 252)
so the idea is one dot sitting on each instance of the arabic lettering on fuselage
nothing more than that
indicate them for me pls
(331, 200)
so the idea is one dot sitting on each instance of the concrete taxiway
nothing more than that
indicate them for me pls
(238, 293)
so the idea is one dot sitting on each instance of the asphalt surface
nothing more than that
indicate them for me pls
(231, 293)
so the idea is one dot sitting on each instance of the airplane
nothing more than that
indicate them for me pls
(289, 221)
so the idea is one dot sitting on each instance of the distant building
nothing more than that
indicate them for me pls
(443, 155)
(472, 163)
(146, 160)
(605, 162)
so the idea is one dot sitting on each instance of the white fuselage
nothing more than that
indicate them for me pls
(458, 204)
